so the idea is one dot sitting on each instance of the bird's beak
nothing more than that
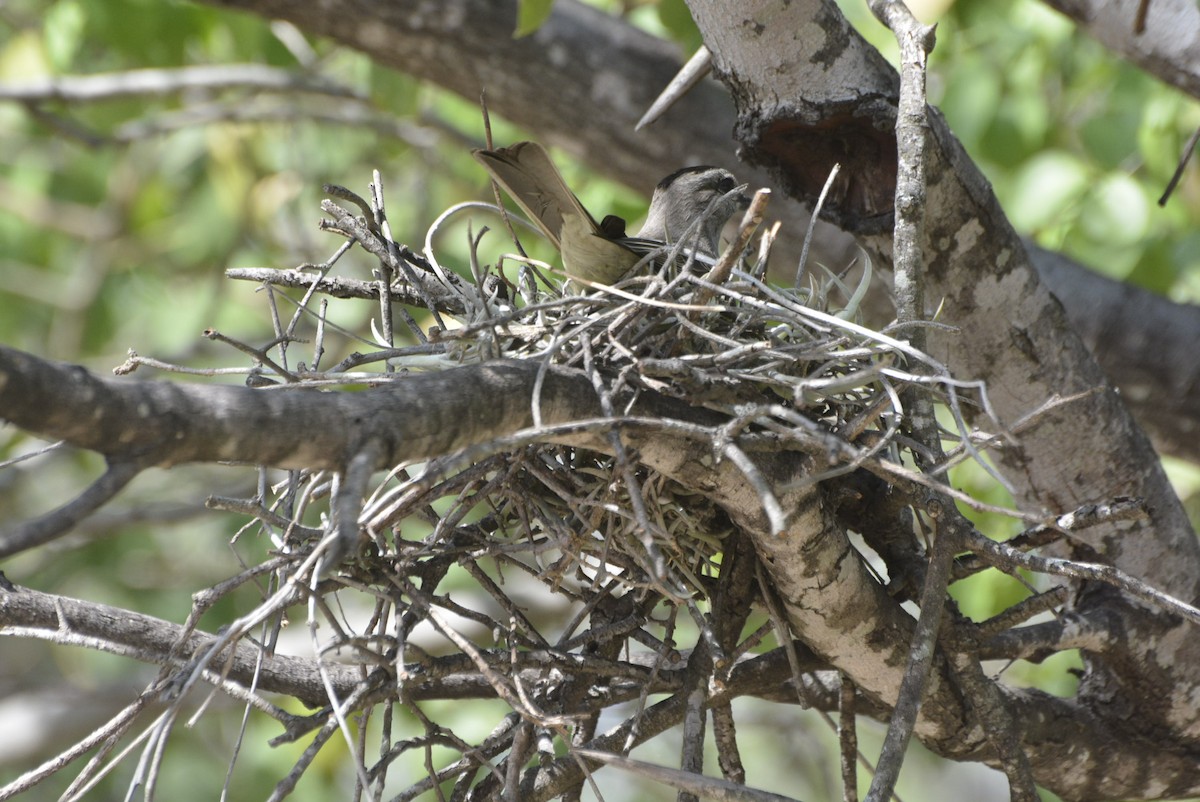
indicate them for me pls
(742, 198)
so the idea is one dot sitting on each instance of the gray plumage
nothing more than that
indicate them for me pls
(600, 251)
(684, 197)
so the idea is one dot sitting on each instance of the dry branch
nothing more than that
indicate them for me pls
(604, 448)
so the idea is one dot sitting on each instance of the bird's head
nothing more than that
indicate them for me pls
(689, 194)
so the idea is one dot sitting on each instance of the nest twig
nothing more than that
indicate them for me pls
(623, 548)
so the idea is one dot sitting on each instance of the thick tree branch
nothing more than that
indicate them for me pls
(614, 72)
(153, 639)
(422, 416)
(166, 643)
(58, 522)
(163, 424)
(140, 83)
(1168, 48)
(1010, 331)
(830, 600)
(1144, 343)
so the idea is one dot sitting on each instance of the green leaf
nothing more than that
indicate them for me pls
(1116, 211)
(1160, 266)
(1111, 136)
(530, 16)
(23, 56)
(1046, 187)
(677, 19)
(63, 28)
(972, 98)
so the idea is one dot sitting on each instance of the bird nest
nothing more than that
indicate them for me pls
(566, 580)
(770, 360)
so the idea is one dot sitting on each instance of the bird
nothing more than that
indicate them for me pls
(601, 252)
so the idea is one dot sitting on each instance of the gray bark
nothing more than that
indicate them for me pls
(795, 108)
(583, 80)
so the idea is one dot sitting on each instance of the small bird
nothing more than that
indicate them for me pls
(601, 251)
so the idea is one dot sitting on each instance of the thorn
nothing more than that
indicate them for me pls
(699, 65)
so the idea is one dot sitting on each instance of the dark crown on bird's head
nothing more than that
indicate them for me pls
(717, 176)
(695, 187)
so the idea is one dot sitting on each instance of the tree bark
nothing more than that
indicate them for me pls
(1144, 343)
(1009, 330)
(795, 111)
(600, 74)
(1168, 47)
(839, 611)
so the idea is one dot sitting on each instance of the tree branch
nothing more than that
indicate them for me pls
(52, 525)
(466, 46)
(139, 83)
(1168, 48)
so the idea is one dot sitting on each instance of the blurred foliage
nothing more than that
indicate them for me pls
(118, 218)
(531, 14)
(1078, 145)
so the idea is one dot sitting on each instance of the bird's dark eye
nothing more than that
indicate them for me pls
(726, 184)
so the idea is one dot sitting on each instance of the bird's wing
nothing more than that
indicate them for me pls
(641, 245)
(531, 179)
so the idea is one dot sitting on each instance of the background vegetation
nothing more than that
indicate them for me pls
(119, 216)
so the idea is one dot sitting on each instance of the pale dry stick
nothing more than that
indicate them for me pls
(129, 83)
(523, 707)
(1002, 556)
(848, 739)
(751, 220)
(280, 340)
(150, 761)
(347, 225)
(277, 601)
(46, 449)
(690, 783)
(319, 339)
(256, 353)
(633, 487)
(104, 736)
(323, 271)
(812, 223)
(338, 708)
(961, 453)
(337, 287)
(662, 657)
(427, 250)
(79, 790)
(776, 517)
(379, 215)
(240, 739)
